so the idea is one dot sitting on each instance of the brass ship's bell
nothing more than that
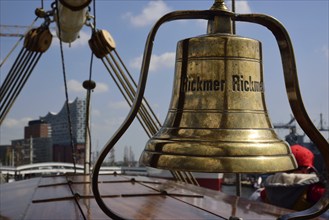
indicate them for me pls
(217, 120)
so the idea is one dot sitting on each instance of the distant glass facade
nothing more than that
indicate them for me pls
(59, 125)
(41, 150)
(48, 138)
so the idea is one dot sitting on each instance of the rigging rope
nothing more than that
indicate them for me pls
(6, 87)
(66, 94)
(146, 115)
(17, 43)
(103, 46)
(87, 131)
(89, 88)
(94, 8)
(129, 98)
(16, 80)
(36, 42)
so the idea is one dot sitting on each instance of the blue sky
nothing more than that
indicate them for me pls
(129, 22)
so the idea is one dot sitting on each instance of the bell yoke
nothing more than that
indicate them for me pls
(217, 119)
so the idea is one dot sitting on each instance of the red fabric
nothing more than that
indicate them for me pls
(263, 195)
(315, 192)
(304, 156)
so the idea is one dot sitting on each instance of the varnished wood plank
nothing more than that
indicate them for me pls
(155, 207)
(52, 192)
(145, 205)
(60, 210)
(53, 180)
(16, 197)
(139, 199)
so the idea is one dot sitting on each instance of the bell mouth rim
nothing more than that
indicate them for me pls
(215, 148)
(225, 164)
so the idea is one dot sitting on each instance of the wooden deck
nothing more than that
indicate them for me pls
(133, 197)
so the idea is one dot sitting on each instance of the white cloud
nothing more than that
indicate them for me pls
(152, 12)
(114, 122)
(82, 40)
(16, 123)
(165, 60)
(101, 87)
(119, 105)
(107, 124)
(76, 86)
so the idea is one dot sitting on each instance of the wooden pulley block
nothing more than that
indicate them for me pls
(107, 40)
(35, 40)
(99, 44)
(44, 40)
(29, 38)
(94, 47)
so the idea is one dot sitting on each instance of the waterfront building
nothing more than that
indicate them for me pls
(60, 126)
(37, 129)
(36, 147)
(48, 138)
(60, 132)
(32, 150)
(5, 155)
